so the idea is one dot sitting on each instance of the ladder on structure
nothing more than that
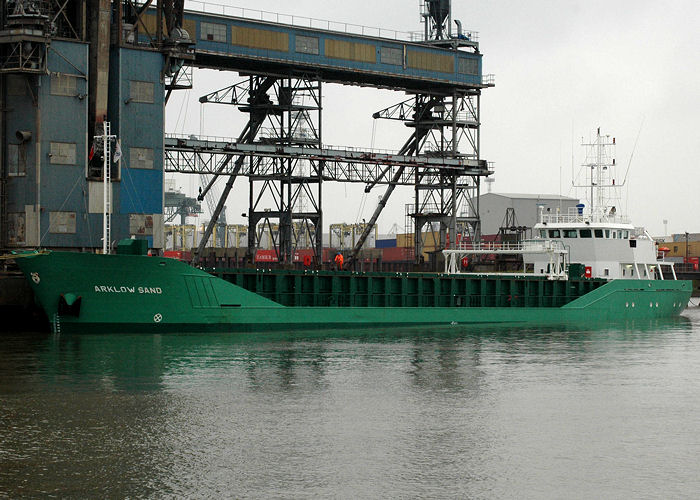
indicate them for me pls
(107, 138)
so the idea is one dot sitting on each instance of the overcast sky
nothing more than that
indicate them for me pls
(562, 69)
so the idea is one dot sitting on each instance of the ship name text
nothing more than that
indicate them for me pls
(128, 289)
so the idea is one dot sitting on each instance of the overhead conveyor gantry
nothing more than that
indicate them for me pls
(281, 151)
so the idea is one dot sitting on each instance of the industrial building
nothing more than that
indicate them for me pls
(497, 210)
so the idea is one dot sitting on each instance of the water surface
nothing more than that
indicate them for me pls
(610, 412)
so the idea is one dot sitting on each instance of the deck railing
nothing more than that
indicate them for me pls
(310, 22)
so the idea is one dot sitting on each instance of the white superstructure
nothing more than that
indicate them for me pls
(606, 243)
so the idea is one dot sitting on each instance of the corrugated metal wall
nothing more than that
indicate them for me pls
(259, 38)
(351, 51)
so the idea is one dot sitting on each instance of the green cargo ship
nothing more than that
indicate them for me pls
(83, 292)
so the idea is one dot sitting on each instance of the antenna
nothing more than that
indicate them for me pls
(634, 148)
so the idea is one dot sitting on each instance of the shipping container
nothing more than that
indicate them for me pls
(397, 254)
(388, 243)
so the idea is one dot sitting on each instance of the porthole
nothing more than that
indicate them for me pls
(627, 304)
(657, 304)
(632, 304)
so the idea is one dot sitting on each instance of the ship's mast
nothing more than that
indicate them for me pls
(599, 174)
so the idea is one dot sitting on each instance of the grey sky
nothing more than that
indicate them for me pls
(562, 68)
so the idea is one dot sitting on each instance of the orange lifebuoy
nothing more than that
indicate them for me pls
(307, 260)
(465, 262)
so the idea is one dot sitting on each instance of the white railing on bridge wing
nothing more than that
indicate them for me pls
(309, 22)
(575, 218)
(521, 247)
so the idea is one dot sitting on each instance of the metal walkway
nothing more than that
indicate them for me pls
(268, 47)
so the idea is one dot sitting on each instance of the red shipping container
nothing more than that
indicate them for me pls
(397, 254)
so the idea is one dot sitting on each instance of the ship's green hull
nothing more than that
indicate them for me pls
(119, 293)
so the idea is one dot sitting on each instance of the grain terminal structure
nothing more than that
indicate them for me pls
(68, 66)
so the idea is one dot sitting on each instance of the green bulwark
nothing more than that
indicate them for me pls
(348, 289)
(132, 247)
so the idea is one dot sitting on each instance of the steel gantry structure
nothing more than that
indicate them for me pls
(280, 149)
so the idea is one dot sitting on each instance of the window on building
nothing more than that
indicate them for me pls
(554, 233)
(585, 233)
(16, 159)
(307, 44)
(623, 271)
(619, 235)
(468, 66)
(614, 234)
(62, 222)
(140, 224)
(607, 233)
(598, 233)
(16, 232)
(391, 55)
(213, 32)
(62, 153)
(606, 272)
(626, 234)
(569, 233)
(675, 248)
(64, 85)
(141, 91)
(140, 157)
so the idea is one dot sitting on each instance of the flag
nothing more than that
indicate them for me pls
(117, 152)
(92, 152)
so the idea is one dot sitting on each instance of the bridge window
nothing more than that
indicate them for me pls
(598, 233)
(543, 233)
(141, 91)
(554, 233)
(307, 44)
(391, 55)
(16, 160)
(626, 234)
(569, 233)
(468, 66)
(62, 153)
(141, 157)
(64, 85)
(62, 222)
(607, 233)
(585, 233)
(212, 32)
